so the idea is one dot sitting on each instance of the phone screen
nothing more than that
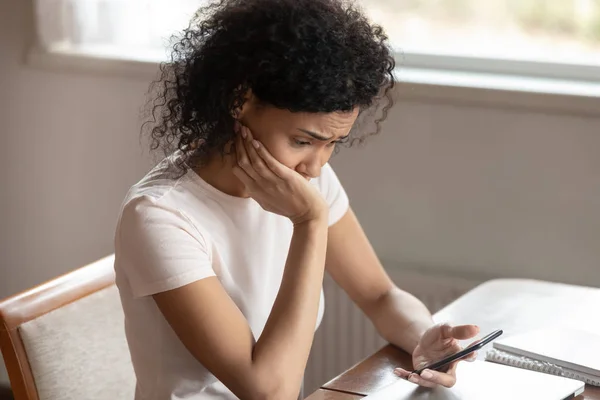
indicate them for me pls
(438, 365)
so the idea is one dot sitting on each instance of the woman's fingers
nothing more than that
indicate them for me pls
(251, 147)
(402, 373)
(242, 176)
(414, 378)
(452, 369)
(419, 380)
(243, 160)
(463, 332)
(431, 378)
(274, 166)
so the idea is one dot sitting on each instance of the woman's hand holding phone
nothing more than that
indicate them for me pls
(437, 343)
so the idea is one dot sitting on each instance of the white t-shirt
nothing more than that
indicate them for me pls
(172, 232)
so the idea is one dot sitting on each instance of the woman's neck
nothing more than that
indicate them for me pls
(218, 173)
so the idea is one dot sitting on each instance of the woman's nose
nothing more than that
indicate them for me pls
(312, 168)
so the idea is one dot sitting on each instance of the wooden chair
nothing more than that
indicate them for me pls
(65, 339)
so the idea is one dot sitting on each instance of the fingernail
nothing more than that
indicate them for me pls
(413, 379)
(244, 132)
(255, 144)
(401, 372)
(426, 374)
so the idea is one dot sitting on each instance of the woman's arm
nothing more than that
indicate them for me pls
(398, 316)
(214, 330)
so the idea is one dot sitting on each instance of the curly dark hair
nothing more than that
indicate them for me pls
(299, 55)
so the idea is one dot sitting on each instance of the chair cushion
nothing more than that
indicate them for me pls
(79, 351)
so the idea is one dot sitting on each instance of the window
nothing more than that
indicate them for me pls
(119, 29)
(559, 38)
(555, 38)
(536, 30)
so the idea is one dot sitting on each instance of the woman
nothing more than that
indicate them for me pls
(221, 248)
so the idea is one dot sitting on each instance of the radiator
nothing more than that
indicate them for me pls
(346, 336)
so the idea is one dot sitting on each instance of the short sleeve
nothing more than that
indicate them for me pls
(334, 194)
(157, 248)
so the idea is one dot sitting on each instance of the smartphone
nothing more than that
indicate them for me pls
(438, 365)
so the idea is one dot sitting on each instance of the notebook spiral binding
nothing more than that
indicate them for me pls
(515, 360)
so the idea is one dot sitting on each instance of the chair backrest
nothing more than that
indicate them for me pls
(65, 339)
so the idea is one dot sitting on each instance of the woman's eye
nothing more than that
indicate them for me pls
(301, 142)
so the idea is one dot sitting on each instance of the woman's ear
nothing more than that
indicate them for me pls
(240, 113)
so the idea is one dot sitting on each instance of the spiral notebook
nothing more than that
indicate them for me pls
(559, 351)
(515, 360)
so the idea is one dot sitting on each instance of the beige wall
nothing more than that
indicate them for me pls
(482, 190)
(68, 151)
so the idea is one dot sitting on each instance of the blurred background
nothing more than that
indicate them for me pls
(559, 30)
(487, 165)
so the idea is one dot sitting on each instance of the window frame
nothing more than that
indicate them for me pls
(572, 88)
(489, 65)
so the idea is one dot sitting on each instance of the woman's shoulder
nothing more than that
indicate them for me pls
(159, 195)
(328, 175)
(157, 182)
(333, 192)
(327, 181)
(165, 185)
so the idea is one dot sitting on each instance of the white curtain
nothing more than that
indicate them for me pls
(128, 28)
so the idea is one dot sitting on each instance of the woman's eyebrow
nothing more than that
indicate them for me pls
(318, 136)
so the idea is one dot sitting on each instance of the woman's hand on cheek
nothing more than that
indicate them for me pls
(274, 186)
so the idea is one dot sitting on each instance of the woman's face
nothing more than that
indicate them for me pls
(301, 141)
